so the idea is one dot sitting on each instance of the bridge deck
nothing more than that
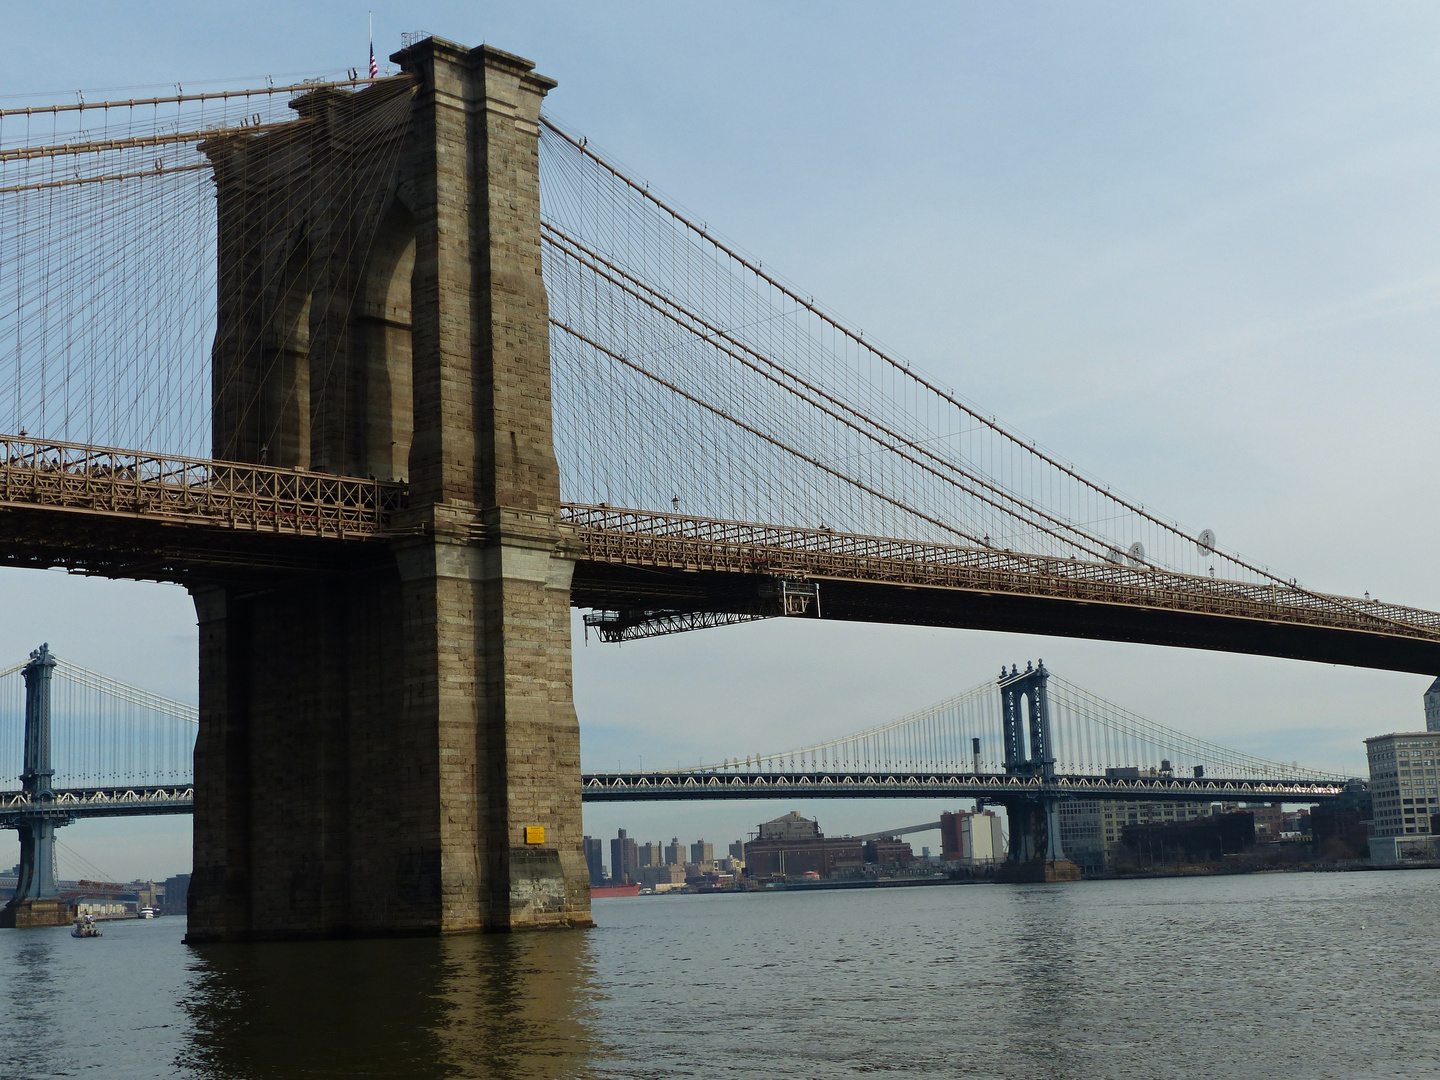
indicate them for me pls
(685, 786)
(667, 786)
(633, 560)
(119, 513)
(127, 801)
(124, 514)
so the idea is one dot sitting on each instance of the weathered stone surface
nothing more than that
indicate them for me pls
(30, 913)
(373, 746)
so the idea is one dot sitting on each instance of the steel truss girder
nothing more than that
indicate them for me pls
(771, 598)
(70, 804)
(890, 784)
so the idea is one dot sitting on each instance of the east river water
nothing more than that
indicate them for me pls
(1276, 976)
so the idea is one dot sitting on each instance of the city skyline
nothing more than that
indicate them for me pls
(1184, 250)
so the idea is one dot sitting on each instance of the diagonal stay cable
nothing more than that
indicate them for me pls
(712, 335)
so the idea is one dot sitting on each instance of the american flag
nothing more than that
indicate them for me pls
(374, 67)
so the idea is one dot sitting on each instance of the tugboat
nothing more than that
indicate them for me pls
(85, 927)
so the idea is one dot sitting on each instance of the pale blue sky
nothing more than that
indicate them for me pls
(1189, 247)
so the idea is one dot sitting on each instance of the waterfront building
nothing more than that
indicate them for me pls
(1403, 781)
(650, 855)
(674, 852)
(950, 836)
(662, 878)
(1432, 707)
(1295, 825)
(1200, 840)
(702, 852)
(1398, 850)
(595, 859)
(737, 850)
(792, 846)
(888, 850)
(791, 826)
(982, 839)
(624, 860)
(147, 894)
(1091, 829)
(1269, 820)
(976, 839)
(1115, 814)
(103, 909)
(177, 893)
(1341, 828)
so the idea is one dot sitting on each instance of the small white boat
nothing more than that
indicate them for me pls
(146, 913)
(85, 927)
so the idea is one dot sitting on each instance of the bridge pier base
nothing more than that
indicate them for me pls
(1037, 870)
(1035, 851)
(29, 913)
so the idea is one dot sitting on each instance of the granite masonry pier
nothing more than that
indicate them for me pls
(392, 747)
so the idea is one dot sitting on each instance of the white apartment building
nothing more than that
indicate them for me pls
(982, 839)
(1404, 785)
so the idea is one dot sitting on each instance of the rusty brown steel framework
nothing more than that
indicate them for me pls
(634, 563)
(236, 495)
(678, 542)
(125, 513)
(121, 513)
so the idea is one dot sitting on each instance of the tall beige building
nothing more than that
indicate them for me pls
(1404, 787)
(982, 839)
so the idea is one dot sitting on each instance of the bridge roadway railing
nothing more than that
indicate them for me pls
(72, 803)
(890, 784)
(668, 786)
(257, 498)
(674, 541)
(237, 495)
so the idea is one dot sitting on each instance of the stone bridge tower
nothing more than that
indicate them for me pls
(380, 745)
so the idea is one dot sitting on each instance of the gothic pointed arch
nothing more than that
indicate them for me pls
(383, 322)
(284, 405)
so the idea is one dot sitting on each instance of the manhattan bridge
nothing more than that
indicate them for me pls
(391, 373)
(87, 746)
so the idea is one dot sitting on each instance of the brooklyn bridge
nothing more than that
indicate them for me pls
(391, 373)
